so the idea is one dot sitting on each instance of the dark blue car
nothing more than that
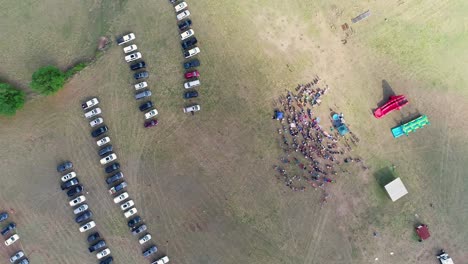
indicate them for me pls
(3, 216)
(190, 94)
(75, 190)
(191, 64)
(8, 228)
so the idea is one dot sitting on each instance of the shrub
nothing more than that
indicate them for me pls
(11, 99)
(47, 80)
(75, 69)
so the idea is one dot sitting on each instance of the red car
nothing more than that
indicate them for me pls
(192, 74)
(151, 123)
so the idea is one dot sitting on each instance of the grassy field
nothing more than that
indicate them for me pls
(204, 184)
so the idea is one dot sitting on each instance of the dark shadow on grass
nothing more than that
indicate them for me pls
(384, 176)
(387, 91)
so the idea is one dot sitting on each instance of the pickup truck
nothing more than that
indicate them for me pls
(162, 260)
(89, 103)
(118, 187)
(125, 39)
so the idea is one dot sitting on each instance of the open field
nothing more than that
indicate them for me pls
(204, 184)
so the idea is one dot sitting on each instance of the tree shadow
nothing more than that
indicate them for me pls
(384, 176)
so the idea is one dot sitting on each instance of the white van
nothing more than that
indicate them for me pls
(192, 84)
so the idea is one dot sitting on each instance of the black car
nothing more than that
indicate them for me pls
(138, 65)
(93, 237)
(150, 251)
(107, 260)
(97, 246)
(105, 150)
(191, 64)
(75, 190)
(64, 166)
(70, 183)
(141, 75)
(145, 106)
(99, 131)
(84, 216)
(190, 94)
(185, 24)
(114, 178)
(112, 167)
(133, 222)
(24, 261)
(118, 187)
(8, 228)
(138, 230)
(189, 42)
(3, 216)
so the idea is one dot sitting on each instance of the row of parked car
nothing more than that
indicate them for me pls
(117, 184)
(71, 184)
(141, 88)
(19, 256)
(188, 43)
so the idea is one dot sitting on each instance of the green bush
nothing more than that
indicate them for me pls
(75, 69)
(11, 99)
(47, 80)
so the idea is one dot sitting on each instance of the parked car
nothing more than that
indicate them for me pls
(96, 121)
(24, 261)
(162, 260)
(191, 64)
(185, 24)
(16, 256)
(110, 180)
(88, 226)
(145, 106)
(130, 212)
(192, 84)
(99, 131)
(80, 209)
(103, 253)
(191, 74)
(127, 205)
(189, 42)
(97, 246)
(84, 216)
(112, 167)
(151, 114)
(103, 141)
(183, 15)
(187, 34)
(139, 230)
(65, 166)
(134, 221)
(125, 39)
(75, 190)
(77, 200)
(108, 159)
(68, 176)
(90, 103)
(141, 85)
(193, 108)
(192, 52)
(8, 228)
(138, 65)
(143, 94)
(11, 240)
(105, 150)
(190, 94)
(133, 57)
(3, 216)
(107, 260)
(121, 197)
(69, 183)
(91, 238)
(141, 75)
(144, 239)
(150, 251)
(180, 6)
(118, 188)
(150, 123)
(94, 112)
(130, 48)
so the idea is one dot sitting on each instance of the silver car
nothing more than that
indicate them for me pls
(142, 95)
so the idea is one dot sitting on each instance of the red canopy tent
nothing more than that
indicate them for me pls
(423, 232)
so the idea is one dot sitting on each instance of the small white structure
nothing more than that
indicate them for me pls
(396, 189)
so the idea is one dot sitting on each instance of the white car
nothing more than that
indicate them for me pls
(141, 85)
(90, 103)
(130, 48)
(17, 256)
(193, 108)
(68, 176)
(133, 56)
(87, 226)
(11, 240)
(94, 112)
(191, 84)
(162, 260)
(191, 53)
(108, 159)
(130, 212)
(183, 15)
(187, 34)
(77, 200)
(125, 39)
(144, 239)
(151, 113)
(96, 122)
(121, 197)
(127, 205)
(103, 253)
(103, 141)
(81, 209)
(180, 6)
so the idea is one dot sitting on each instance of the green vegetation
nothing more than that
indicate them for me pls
(47, 80)
(11, 99)
(80, 66)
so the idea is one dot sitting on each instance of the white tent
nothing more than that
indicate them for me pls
(396, 189)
